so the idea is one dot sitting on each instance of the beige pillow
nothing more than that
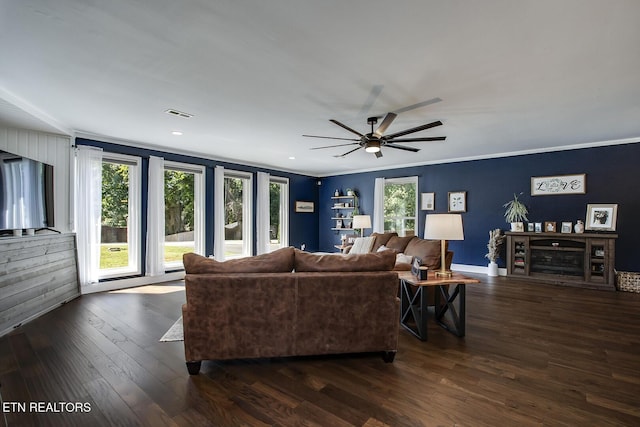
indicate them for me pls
(362, 245)
(404, 259)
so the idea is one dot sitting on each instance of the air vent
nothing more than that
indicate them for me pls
(178, 113)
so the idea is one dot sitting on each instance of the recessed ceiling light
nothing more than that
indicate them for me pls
(176, 132)
(292, 158)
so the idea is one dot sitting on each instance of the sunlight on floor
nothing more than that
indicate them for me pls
(150, 289)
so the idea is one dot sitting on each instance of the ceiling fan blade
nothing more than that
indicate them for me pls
(416, 129)
(378, 154)
(348, 152)
(400, 147)
(418, 105)
(388, 119)
(346, 127)
(331, 137)
(432, 138)
(331, 146)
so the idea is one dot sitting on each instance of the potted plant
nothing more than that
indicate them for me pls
(493, 247)
(515, 213)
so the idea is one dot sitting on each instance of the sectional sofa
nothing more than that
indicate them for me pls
(290, 303)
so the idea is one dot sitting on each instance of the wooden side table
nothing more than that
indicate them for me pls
(449, 302)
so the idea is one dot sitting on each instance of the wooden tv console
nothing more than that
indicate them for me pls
(572, 259)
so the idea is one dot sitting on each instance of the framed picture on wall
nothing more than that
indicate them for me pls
(457, 201)
(601, 217)
(428, 201)
(304, 207)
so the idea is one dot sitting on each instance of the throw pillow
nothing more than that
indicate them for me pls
(427, 250)
(376, 261)
(399, 243)
(403, 259)
(278, 261)
(362, 245)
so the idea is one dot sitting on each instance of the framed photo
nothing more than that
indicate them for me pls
(550, 226)
(339, 223)
(518, 227)
(531, 227)
(428, 201)
(538, 227)
(601, 217)
(304, 207)
(560, 184)
(457, 201)
(566, 227)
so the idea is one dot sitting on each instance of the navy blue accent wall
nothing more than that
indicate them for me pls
(612, 173)
(303, 227)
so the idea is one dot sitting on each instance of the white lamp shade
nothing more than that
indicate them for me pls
(361, 221)
(444, 227)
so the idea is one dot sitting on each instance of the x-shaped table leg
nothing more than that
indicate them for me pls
(414, 306)
(457, 316)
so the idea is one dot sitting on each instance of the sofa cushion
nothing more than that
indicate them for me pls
(362, 245)
(381, 239)
(278, 261)
(376, 261)
(398, 243)
(427, 250)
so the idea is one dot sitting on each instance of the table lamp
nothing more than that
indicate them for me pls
(361, 222)
(443, 227)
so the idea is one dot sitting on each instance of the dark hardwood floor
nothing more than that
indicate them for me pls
(533, 355)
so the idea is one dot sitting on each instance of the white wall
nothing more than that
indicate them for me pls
(48, 148)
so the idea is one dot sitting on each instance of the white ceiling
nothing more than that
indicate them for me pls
(503, 76)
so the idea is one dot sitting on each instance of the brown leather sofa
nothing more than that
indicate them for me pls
(289, 303)
(427, 250)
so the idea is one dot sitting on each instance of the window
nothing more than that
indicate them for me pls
(278, 213)
(120, 216)
(400, 202)
(238, 211)
(183, 212)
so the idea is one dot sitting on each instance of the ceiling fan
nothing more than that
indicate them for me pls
(374, 141)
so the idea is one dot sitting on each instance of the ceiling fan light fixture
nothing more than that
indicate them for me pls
(372, 147)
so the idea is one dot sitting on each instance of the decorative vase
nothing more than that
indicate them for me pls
(493, 269)
(579, 227)
(336, 193)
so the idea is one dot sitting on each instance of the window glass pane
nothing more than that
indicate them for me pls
(400, 207)
(237, 215)
(275, 229)
(115, 212)
(179, 218)
(119, 227)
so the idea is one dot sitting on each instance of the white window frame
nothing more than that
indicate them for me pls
(198, 206)
(406, 180)
(284, 208)
(134, 223)
(247, 210)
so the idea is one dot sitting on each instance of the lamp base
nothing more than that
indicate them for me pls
(444, 273)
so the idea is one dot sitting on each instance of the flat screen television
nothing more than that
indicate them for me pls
(26, 193)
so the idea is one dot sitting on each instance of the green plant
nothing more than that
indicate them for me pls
(493, 247)
(515, 211)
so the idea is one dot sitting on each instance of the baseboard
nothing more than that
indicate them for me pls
(479, 269)
(113, 285)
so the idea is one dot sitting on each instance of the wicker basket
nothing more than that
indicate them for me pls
(628, 281)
